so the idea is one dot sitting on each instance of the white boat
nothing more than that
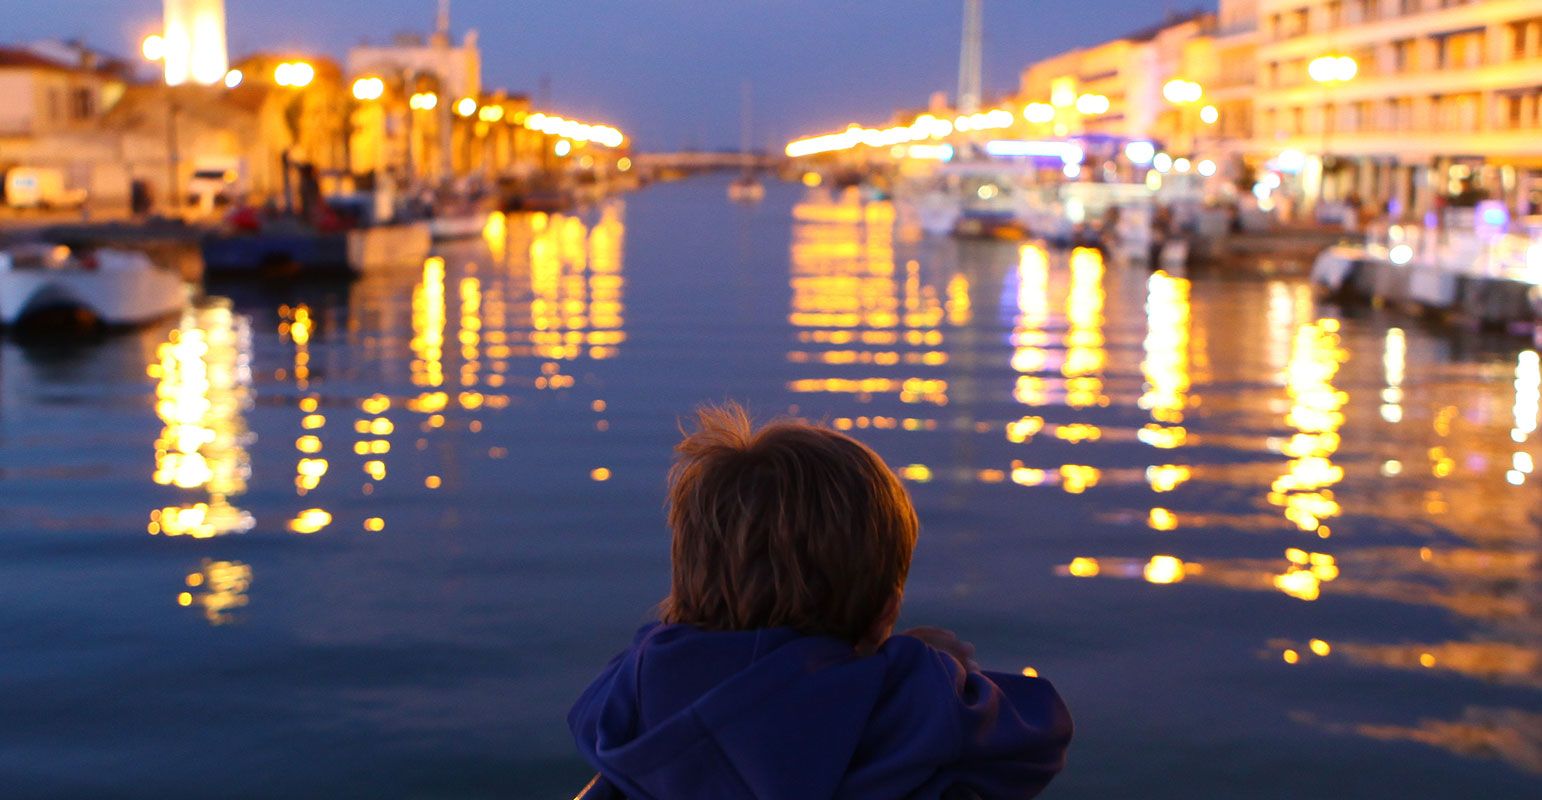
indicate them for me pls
(746, 189)
(459, 226)
(116, 288)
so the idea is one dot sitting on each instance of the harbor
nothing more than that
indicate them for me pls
(343, 362)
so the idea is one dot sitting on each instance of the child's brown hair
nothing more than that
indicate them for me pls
(789, 525)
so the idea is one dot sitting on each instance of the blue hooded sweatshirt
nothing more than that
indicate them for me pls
(686, 714)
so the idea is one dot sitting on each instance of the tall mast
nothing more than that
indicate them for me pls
(969, 60)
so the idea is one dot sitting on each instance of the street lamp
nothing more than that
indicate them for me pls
(297, 74)
(368, 89)
(1328, 71)
(1183, 93)
(153, 47)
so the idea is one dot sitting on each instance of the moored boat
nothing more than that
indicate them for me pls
(51, 288)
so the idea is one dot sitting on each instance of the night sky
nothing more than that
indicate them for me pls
(667, 72)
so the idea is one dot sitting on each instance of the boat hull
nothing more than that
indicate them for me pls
(117, 298)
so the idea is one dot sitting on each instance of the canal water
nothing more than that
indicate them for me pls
(372, 540)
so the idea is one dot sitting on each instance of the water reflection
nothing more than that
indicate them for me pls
(850, 308)
(219, 589)
(203, 389)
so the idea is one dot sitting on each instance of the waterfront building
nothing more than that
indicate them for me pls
(1230, 91)
(399, 127)
(1115, 88)
(50, 107)
(1443, 99)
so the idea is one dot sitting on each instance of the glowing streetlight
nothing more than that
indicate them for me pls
(153, 48)
(297, 74)
(466, 106)
(1039, 113)
(423, 101)
(490, 113)
(563, 148)
(1180, 92)
(368, 89)
(1332, 69)
(1092, 104)
(1209, 115)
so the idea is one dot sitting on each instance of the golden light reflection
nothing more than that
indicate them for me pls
(1085, 357)
(1028, 335)
(1303, 576)
(220, 589)
(849, 296)
(428, 318)
(1507, 734)
(203, 388)
(1304, 491)
(310, 520)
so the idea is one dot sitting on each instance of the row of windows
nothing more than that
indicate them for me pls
(1457, 113)
(1338, 13)
(1455, 50)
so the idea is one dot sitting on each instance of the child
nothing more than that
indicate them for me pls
(773, 674)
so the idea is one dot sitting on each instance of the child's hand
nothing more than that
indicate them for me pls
(948, 643)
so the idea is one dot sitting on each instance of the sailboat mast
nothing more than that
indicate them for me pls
(969, 56)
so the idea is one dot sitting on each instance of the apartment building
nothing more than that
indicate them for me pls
(1128, 73)
(1445, 101)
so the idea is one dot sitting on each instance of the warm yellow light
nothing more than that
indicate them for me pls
(1427, 659)
(623, 164)
(600, 474)
(1092, 104)
(310, 521)
(490, 113)
(374, 524)
(154, 47)
(1319, 647)
(433, 482)
(1030, 672)
(1209, 115)
(1181, 91)
(368, 89)
(812, 179)
(466, 106)
(233, 78)
(1292, 657)
(1332, 69)
(1083, 567)
(423, 101)
(1039, 113)
(185, 599)
(297, 74)
(1165, 569)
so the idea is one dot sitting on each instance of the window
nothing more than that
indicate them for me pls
(1526, 38)
(1297, 22)
(1459, 50)
(1335, 13)
(1405, 55)
(81, 104)
(1406, 7)
(1296, 125)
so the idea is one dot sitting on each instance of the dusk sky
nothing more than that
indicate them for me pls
(667, 72)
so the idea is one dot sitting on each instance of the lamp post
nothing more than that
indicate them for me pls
(1328, 71)
(1182, 93)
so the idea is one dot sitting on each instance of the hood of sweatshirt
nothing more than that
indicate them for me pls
(774, 715)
